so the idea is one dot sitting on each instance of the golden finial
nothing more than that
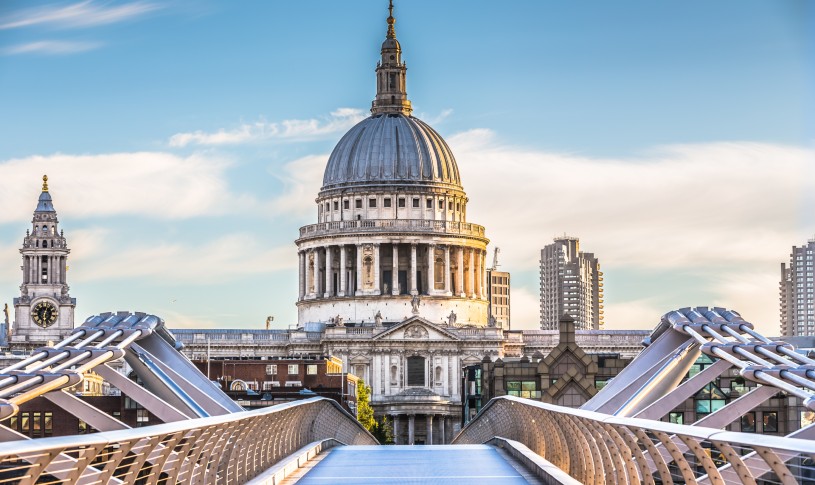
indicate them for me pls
(391, 21)
(45, 183)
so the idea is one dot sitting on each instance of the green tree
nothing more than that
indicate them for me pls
(381, 429)
(365, 413)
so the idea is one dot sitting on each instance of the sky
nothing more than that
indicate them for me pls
(185, 142)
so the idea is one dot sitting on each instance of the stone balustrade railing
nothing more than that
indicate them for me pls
(393, 225)
(232, 448)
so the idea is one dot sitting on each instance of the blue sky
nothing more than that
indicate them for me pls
(185, 142)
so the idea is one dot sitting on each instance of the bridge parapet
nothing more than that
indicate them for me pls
(231, 448)
(600, 448)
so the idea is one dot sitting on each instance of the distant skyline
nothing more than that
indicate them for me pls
(185, 142)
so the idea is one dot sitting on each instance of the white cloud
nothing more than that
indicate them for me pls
(524, 309)
(727, 212)
(221, 260)
(641, 314)
(81, 14)
(55, 47)
(337, 121)
(681, 205)
(152, 184)
(302, 179)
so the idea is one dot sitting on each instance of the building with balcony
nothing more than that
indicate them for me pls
(572, 284)
(797, 292)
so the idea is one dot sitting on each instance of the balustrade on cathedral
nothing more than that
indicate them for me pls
(443, 270)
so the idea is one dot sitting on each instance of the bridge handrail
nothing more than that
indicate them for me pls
(186, 450)
(582, 436)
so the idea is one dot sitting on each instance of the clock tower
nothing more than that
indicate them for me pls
(44, 312)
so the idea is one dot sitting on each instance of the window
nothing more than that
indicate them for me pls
(294, 369)
(416, 202)
(346, 204)
(429, 203)
(709, 400)
(327, 207)
(336, 205)
(386, 202)
(527, 389)
(358, 204)
(402, 202)
(458, 206)
(415, 371)
(450, 205)
(748, 422)
(676, 417)
(371, 203)
(311, 369)
(271, 370)
(142, 417)
(770, 421)
(600, 382)
(36, 422)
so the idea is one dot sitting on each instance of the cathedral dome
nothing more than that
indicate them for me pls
(391, 148)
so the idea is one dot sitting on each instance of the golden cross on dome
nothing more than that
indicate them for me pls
(45, 183)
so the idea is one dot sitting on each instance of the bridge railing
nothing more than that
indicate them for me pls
(598, 448)
(231, 448)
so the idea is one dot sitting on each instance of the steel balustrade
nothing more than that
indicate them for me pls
(597, 448)
(231, 448)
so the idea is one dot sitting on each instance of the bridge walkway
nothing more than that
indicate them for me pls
(413, 465)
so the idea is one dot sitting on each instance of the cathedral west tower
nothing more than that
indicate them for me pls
(44, 311)
(392, 238)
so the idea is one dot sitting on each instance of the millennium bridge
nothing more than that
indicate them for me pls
(616, 437)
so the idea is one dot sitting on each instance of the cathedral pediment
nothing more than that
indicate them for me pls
(416, 328)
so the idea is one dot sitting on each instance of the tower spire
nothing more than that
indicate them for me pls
(391, 21)
(391, 94)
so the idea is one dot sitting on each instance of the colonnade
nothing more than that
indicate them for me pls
(53, 268)
(395, 268)
(438, 428)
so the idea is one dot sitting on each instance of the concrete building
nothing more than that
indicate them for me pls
(265, 382)
(571, 283)
(499, 297)
(44, 311)
(797, 292)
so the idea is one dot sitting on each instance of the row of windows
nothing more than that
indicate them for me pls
(387, 202)
(35, 425)
(293, 369)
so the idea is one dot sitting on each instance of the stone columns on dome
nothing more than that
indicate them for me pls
(328, 275)
(359, 270)
(301, 269)
(442, 430)
(484, 281)
(460, 272)
(431, 263)
(413, 290)
(447, 290)
(471, 274)
(395, 269)
(411, 427)
(377, 271)
(341, 289)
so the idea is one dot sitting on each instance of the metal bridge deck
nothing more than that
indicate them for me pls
(409, 465)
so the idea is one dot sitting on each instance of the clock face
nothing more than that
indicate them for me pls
(44, 314)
